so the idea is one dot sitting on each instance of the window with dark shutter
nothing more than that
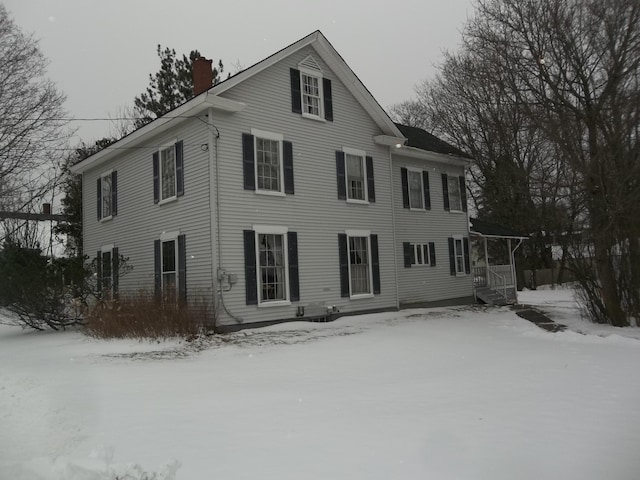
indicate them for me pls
(467, 265)
(407, 251)
(328, 99)
(371, 186)
(296, 96)
(375, 263)
(427, 194)
(179, 168)
(99, 196)
(445, 191)
(287, 162)
(344, 264)
(452, 257)
(114, 193)
(156, 177)
(405, 187)
(248, 159)
(463, 193)
(294, 281)
(250, 276)
(432, 254)
(340, 173)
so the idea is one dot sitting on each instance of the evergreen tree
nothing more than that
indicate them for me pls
(170, 86)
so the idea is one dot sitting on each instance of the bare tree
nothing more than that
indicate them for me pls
(573, 67)
(32, 130)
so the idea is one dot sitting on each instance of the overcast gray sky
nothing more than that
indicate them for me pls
(101, 52)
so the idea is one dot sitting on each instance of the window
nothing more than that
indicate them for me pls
(271, 266)
(415, 189)
(454, 193)
(168, 173)
(459, 255)
(359, 264)
(170, 267)
(267, 163)
(310, 91)
(311, 95)
(107, 195)
(107, 266)
(355, 176)
(416, 196)
(420, 254)
(416, 254)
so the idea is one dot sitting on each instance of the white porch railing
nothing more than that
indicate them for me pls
(497, 281)
(494, 276)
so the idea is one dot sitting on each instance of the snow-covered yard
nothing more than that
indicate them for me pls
(448, 393)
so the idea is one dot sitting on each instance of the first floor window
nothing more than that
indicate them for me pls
(107, 271)
(169, 268)
(420, 254)
(355, 177)
(459, 255)
(416, 195)
(272, 267)
(359, 265)
(168, 173)
(107, 278)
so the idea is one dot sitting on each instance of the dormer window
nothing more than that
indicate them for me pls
(310, 91)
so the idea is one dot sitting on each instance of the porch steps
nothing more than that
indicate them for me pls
(490, 296)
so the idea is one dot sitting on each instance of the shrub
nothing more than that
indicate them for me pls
(142, 316)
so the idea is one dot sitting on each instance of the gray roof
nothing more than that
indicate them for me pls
(487, 229)
(419, 138)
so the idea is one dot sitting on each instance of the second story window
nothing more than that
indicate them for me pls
(355, 176)
(268, 164)
(168, 172)
(107, 195)
(454, 193)
(416, 196)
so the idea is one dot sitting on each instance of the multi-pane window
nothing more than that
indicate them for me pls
(168, 173)
(169, 268)
(268, 164)
(420, 254)
(455, 198)
(272, 267)
(416, 195)
(459, 255)
(359, 265)
(355, 177)
(310, 94)
(106, 272)
(107, 198)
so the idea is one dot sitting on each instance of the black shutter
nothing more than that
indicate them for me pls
(182, 269)
(445, 191)
(375, 263)
(296, 97)
(157, 269)
(371, 184)
(463, 193)
(344, 264)
(405, 187)
(287, 162)
(114, 193)
(294, 281)
(248, 167)
(99, 272)
(115, 267)
(99, 195)
(432, 254)
(340, 173)
(452, 257)
(467, 266)
(328, 99)
(427, 193)
(406, 250)
(250, 274)
(179, 168)
(156, 177)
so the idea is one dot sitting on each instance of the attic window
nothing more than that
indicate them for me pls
(311, 91)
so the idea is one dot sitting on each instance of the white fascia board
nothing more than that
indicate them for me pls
(389, 140)
(189, 109)
(478, 234)
(413, 152)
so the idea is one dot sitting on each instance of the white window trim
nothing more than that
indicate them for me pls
(426, 261)
(455, 256)
(360, 233)
(317, 74)
(416, 170)
(272, 230)
(102, 176)
(168, 237)
(174, 197)
(363, 155)
(275, 137)
(454, 210)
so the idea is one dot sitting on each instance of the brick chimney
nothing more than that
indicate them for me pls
(202, 75)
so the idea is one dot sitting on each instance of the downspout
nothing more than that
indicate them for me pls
(513, 268)
(393, 224)
(213, 153)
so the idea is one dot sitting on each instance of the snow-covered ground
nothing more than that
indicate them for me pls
(448, 393)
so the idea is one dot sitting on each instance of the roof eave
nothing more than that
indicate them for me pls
(449, 159)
